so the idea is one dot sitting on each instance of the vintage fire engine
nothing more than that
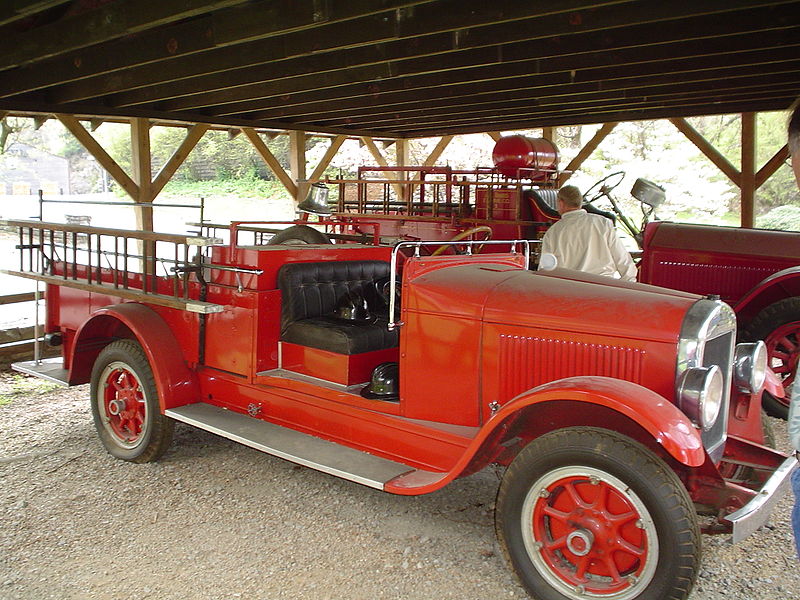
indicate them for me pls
(619, 410)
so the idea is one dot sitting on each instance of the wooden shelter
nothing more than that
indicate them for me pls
(394, 69)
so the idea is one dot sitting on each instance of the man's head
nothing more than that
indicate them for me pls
(569, 198)
(794, 138)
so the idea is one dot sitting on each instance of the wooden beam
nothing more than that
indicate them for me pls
(381, 160)
(772, 165)
(722, 163)
(586, 152)
(178, 157)
(23, 297)
(270, 160)
(96, 26)
(326, 159)
(748, 185)
(14, 10)
(100, 155)
(548, 133)
(438, 150)
(495, 135)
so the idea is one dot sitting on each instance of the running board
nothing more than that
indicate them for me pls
(51, 369)
(307, 450)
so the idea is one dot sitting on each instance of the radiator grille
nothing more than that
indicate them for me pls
(526, 362)
(729, 281)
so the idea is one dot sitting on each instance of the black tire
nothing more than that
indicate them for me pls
(128, 417)
(299, 235)
(779, 326)
(634, 516)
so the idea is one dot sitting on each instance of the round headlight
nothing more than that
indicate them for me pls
(750, 366)
(700, 395)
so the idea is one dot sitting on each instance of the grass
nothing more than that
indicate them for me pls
(22, 385)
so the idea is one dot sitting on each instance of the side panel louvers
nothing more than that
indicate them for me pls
(526, 362)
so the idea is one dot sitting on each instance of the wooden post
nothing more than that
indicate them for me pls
(297, 163)
(585, 152)
(142, 172)
(401, 155)
(748, 168)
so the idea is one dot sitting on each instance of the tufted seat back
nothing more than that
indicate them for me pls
(311, 292)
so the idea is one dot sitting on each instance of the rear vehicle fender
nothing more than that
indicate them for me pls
(621, 406)
(176, 383)
(780, 285)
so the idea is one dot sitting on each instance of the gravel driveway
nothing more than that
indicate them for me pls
(214, 519)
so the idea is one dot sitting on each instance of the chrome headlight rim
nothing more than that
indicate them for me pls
(750, 366)
(701, 393)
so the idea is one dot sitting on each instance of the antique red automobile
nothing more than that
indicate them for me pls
(613, 431)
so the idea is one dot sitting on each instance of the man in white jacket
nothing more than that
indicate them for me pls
(585, 241)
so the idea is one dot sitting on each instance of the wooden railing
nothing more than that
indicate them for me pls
(116, 262)
(17, 343)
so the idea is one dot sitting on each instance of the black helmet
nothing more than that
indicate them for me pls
(353, 307)
(385, 383)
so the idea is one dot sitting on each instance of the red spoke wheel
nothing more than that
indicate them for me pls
(587, 513)
(779, 326)
(125, 404)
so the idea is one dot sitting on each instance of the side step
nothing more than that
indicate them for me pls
(291, 445)
(51, 369)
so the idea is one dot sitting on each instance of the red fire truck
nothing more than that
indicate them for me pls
(618, 410)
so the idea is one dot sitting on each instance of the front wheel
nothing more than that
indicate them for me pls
(125, 404)
(588, 513)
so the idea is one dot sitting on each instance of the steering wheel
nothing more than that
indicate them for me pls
(484, 229)
(601, 188)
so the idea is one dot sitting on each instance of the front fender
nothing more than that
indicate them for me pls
(780, 285)
(176, 383)
(667, 425)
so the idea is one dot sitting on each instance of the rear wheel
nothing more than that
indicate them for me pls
(125, 404)
(585, 513)
(779, 326)
(297, 235)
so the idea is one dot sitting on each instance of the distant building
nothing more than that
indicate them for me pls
(24, 170)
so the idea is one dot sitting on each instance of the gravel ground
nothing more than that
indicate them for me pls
(214, 519)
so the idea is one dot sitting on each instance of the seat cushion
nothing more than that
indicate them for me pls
(344, 337)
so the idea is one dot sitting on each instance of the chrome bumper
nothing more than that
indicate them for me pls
(756, 512)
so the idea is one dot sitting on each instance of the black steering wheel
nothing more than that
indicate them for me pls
(603, 187)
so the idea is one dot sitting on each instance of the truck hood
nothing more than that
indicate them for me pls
(560, 300)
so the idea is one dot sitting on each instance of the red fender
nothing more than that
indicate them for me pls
(780, 285)
(664, 421)
(175, 382)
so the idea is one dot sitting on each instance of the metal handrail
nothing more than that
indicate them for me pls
(393, 324)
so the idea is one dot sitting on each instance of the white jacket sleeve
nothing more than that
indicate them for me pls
(621, 257)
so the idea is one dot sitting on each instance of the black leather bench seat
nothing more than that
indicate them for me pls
(311, 292)
(343, 337)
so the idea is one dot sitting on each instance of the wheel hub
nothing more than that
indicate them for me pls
(580, 542)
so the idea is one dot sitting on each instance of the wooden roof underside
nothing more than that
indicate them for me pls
(398, 68)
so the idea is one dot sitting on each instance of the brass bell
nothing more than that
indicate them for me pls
(316, 202)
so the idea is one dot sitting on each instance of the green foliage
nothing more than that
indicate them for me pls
(245, 187)
(786, 218)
